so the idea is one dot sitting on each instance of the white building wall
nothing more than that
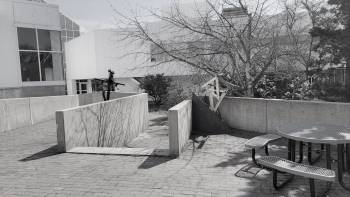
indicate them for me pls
(92, 54)
(70, 86)
(131, 85)
(121, 55)
(19, 13)
(36, 15)
(81, 57)
(10, 75)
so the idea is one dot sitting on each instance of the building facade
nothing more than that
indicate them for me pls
(91, 55)
(31, 49)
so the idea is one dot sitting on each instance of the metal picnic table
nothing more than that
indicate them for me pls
(324, 134)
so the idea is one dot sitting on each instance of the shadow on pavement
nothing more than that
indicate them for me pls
(151, 162)
(160, 121)
(53, 150)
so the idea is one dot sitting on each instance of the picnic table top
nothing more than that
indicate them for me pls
(316, 133)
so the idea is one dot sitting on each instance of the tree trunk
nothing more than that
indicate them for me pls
(347, 80)
(250, 90)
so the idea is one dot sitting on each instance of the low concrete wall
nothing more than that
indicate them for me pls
(180, 126)
(44, 108)
(106, 124)
(265, 115)
(14, 113)
(32, 91)
(17, 113)
(86, 99)
(244, 113)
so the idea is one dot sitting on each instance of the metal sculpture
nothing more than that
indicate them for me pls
(110, 85)
(216, 93)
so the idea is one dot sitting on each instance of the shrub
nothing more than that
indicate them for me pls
(157, 87)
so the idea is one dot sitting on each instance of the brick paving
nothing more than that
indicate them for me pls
(156, 135)
(29, 166)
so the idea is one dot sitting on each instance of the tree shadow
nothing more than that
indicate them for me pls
(53, 150)
(154, 161)
(259, 181)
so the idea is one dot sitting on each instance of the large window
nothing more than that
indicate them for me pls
(40, 54)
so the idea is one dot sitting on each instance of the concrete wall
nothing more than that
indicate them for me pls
(14, 113)
(244, 113)
(35, 91)
(265, 115)
(86, 99)
(44, 108)
(105, 124)
(17, 113)
(180, 126)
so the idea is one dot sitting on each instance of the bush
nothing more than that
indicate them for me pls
(157, 87)
(291, 86)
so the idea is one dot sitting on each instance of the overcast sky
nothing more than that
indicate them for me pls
(95, 14)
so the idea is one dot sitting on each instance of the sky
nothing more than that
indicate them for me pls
(99, 14)
(96, 14)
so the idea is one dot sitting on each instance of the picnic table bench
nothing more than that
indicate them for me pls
(259, 142)
(278, 164)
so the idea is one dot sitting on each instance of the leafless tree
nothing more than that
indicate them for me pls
(230, 39)
(300, 17)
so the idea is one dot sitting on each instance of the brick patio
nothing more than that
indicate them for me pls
(30, 167)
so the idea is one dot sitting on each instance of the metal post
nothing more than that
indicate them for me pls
(328, 156)
(312, 187)
(253, 157)
(293, 150)
(309, 152)
(267, 150)
(301, 152)
(289, 149)
(348, 157)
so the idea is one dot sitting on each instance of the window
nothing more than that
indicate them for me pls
(49, 63)
(75, 27)
(49, 40)
(40, 54)
(70, 34)
(76, 33)
(29, 65)
(82, 86)
(27, 39)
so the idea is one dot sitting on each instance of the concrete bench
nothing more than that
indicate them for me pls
(261, 141)
(278, 164)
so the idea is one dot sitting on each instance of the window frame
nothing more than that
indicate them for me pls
(79, 84)
(38, 51)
